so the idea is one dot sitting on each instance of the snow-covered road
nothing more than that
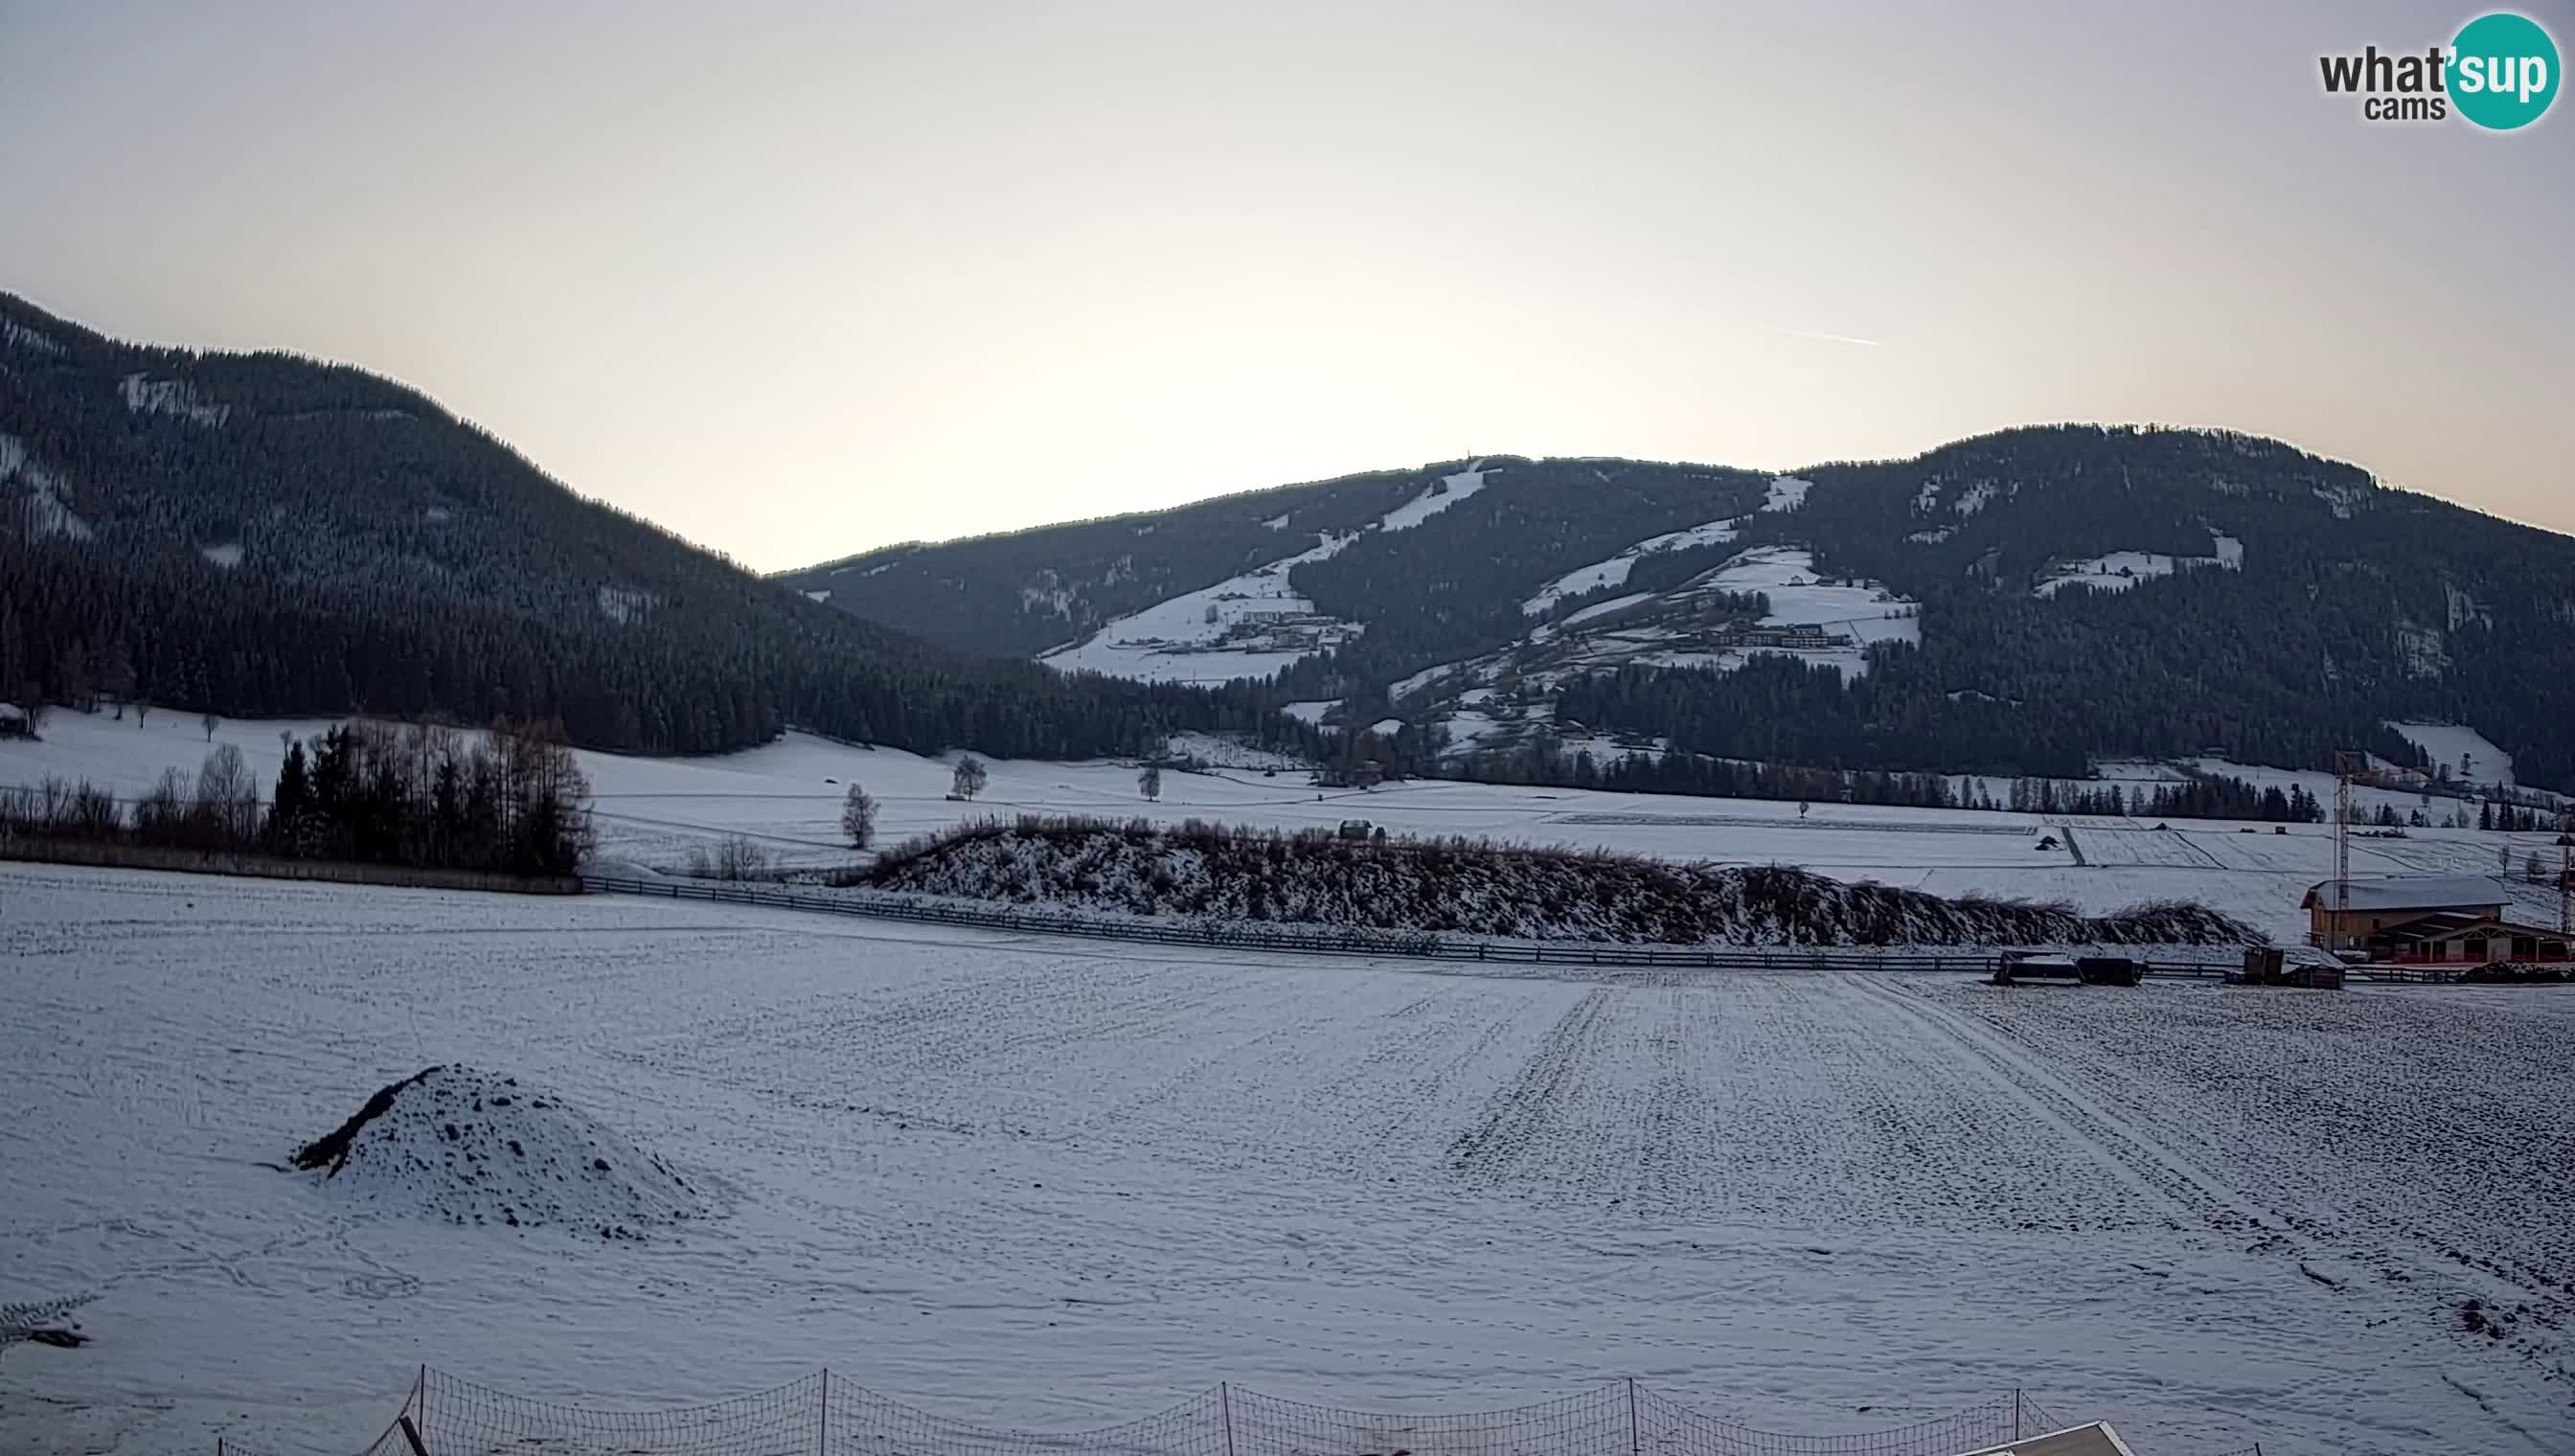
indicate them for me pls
(1044, 1184)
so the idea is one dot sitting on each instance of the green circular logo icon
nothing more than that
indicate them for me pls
(2503, 71)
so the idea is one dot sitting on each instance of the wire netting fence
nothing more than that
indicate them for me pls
(827, 1415)
(1678, 1430)
(452, 1415)
(1593, 1423)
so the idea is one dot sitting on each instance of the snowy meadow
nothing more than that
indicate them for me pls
(678, 1151)
(1028, 1182)
(786, 798)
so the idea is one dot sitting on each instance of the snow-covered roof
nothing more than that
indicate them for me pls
(2410, 893)
(2096, 1439)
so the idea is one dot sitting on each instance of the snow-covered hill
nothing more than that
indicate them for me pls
(2025, 602)
(1247, 625)
(266, 533)
(2460, 754)
(1256, 624)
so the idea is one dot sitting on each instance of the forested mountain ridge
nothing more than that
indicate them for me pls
(2091, 592)
(1028, 592)
(1019, 594)
(267, 535)
(2025, 602)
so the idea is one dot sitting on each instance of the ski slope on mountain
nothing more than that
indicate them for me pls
(1211, 635)
(1784, 494)
(1247, 626)
(1614, 571)
(1450, 490)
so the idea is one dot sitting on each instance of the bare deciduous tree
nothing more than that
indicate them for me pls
(859, 817)
(159, 815)
(737, 858)
(1148, 781)
(227, 797)
(970, 777)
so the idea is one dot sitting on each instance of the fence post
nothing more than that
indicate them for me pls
(1224, 1405)
(2015, 1435)
(1636, 1442)
(823, 1418)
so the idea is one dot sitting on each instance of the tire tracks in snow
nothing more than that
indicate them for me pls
(2303, 1241)
(2184, 1189)
(1523, 1118)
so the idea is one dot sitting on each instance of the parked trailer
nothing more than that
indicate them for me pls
(2022, 967)
(2264, 966)
(2109, 970)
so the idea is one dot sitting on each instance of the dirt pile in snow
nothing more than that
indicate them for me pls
(1471, 887)
(472, 1147)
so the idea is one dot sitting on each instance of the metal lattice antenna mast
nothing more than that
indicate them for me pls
(2565, 870)
(2345, 765)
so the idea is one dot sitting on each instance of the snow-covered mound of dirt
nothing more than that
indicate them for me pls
(43, 1322)
(1456, 886)
(474, 1147)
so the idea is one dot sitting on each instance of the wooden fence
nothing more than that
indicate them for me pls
(124, 853)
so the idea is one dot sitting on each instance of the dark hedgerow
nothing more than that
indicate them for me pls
(1209, 871)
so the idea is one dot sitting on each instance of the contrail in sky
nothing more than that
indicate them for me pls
(1827, 337)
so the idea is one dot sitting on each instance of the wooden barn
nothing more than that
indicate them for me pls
(2455, 938)
(2366, 906)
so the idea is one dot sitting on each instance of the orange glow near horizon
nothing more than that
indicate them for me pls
(825, 278)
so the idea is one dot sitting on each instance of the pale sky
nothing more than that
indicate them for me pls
(796, 280)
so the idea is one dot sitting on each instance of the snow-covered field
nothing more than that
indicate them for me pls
(1864, 614)
(787, 796)
(2120, 570)
(2469, 756)
(1033, 1183)
(1663, 630)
